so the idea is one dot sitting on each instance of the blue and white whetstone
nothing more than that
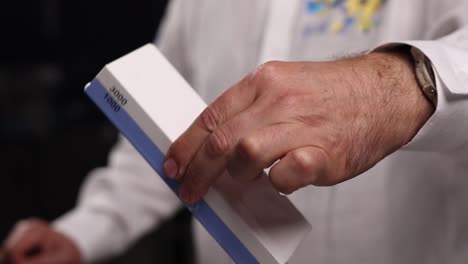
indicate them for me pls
(151, 105)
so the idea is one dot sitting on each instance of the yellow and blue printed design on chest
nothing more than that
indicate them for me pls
(343, 15)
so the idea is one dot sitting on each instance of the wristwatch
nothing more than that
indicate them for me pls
(424, 75)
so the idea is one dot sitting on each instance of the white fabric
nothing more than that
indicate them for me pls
(279, 24)
(410, 208)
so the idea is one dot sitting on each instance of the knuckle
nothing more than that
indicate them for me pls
(312, 167)
(250, 149)
(218, 144)
(271, 67)
(211, 118)
(265, 74)
(303, 162)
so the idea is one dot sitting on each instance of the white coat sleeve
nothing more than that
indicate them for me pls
(447, 48)
(117, 205)
(121, 202)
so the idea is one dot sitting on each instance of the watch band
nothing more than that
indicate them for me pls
(424, 75)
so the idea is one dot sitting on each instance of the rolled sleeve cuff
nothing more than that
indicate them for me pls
(447, 129)
(95, 233)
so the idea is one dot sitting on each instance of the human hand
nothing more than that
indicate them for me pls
(36, 242)
(325, 122)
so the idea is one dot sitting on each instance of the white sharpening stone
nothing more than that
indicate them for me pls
(152, 105)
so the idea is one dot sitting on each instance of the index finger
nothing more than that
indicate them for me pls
(232, 101)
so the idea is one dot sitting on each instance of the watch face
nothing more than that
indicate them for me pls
(425, 75)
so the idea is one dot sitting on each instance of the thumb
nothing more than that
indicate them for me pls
(27, 239)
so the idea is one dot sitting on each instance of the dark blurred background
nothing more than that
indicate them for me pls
(51, 134)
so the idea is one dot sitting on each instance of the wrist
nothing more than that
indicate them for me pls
(395, 78)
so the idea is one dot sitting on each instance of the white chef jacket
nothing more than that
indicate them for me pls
(412, 207)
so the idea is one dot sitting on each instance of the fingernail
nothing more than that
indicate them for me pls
(170, 168)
